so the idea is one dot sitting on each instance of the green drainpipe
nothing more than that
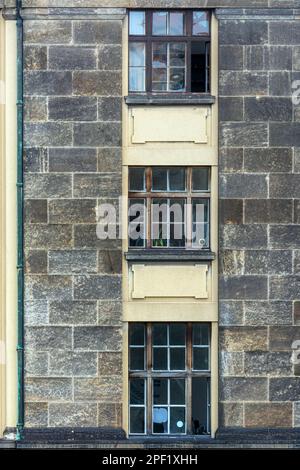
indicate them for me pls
(20, 233)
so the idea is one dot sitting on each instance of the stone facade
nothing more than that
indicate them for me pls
(72, 161)
(259, 223)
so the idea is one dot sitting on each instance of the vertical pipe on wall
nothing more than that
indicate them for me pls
(20, 233)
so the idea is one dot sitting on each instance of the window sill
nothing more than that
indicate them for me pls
(170, 99)
(169, 255)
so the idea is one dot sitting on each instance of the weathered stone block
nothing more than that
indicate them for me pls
(49, 389)
(285, 185)
(101, 83)
(47, 83)
(296, 58)
(72, 261)
(73, 415)
(231, 57)
(73, 108)
(109, 313)
(98, 338)
(269, 160)
(97, 134)
(70, 363)
(268, 211)
(48, 32)
(36, 312)
(231, 159)
(239, 389)
(268, 415)
(97, 287)
(47, 338)
(48, 236)
(39, 186)
(69, 211)
(231, 262)
(97, 185)
(244, 237)
(36, 211)
(231, 211)
(109, 414)
(243, 32)
(282, 337)
(85, 236)
(243, 338)
(110, 57)
(285, 389)
(280, 58)
(231, 313)
(268, 262)
(268, 109)
(284, 32)
(71, 58)
(238, 83)
(243, 186)
(109, 109)
(35, 57)
(268, 363)
(46, 134)
(109, 159)
(72, 159)
(268, 313)
(110, 262)
(48, 287)
(231, 363)
(35, 160)
(285, 134)
(231, 109)
(284, 287)
(36, 262)
(35, 108)
(296, 212)
(103, 389)
(285, 236)
(108, 362)
(98, 32)
(73, 312)
(296, 262)
(36, 363)
(36, 414)
(241, 134)
(231, 414)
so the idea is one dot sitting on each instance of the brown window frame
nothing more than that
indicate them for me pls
(188, 374)
(187, 38)
(188, 194)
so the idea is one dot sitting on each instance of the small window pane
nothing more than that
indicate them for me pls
(137, 22)
(137, 334)
(160, 391)
(176, 24)
(137, 222)
(137, 420)
(177, 358)
(160, 420)
(201, 334)
(159, 179)
(200, 23)
(177, 179)
(199, 67)
(136, 54)
(136, 179)
(160, 358)
(177, 334)
(200, 359)
(177, 420)
(159, 26)
(177, 392)
(177, 79)
(137, 391)
(200, 179)
(200, 223)
(159, 334)
(200, 401)
(137, 78)
(177, 54)
(137, 359)
(159, 55)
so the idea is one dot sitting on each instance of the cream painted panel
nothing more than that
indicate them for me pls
(169, 124)
(169, 281)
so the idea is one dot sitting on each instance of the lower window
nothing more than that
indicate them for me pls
(169, 378)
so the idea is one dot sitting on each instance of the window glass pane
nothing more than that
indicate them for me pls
(137, 420)
(198, 67)
(200, 359)
(159, 55)
(177, 334)
(177, 179)
(176, 24)
(200, 223)
(201, 334)
(177, 420)
(136, 222)
(137, 54)
(177, 358)
(177, 54)
(200, 23)
(160, 420)
(137, 79)
(137, 391)
(159, 23)
(160, 391)
(136, 179)
(159, 180)
(177, 79)
(137, 359)
(159, 334)
(137, 22)
(177, 392)
(200, 179)
(176, 218)
(160, 358)
(137, 334)
(159, 80)
(200, 401)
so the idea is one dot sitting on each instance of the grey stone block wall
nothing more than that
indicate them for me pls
(259, 220)
(72, 161)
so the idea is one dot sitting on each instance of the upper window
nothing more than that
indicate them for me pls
(169, 51)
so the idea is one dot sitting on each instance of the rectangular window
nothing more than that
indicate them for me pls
(169, 207)
(169, 51)
(169, 378)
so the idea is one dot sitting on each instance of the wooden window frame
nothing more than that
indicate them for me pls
(188, 195)
(188, 38)
(188, 374)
